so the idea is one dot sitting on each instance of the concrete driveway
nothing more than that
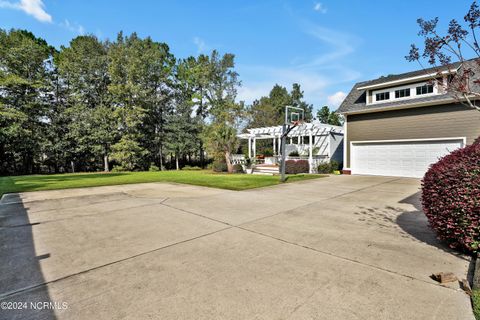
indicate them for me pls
(342, 247)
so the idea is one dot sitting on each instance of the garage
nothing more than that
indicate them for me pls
(405, 158)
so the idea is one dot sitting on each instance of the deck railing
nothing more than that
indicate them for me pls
(316, 160)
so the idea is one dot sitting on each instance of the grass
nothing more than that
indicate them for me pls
(476, 303)
(199, 178)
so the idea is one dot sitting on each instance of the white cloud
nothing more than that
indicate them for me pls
(253, 91)
(318, 75)
(267, 77)
(336, 99)
(73, 27)
(202, 46)
(319, 7)
(315, 82)
(341, 44)
(34, 8)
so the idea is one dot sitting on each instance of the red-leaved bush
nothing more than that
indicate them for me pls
(451, 198)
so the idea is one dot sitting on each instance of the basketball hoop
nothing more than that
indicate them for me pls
(294, 117)
(297, 123)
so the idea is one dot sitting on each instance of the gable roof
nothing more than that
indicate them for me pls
(356, 100)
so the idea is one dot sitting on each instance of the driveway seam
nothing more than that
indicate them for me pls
(311, 203)
(240, 226)
(276, 213)
(228, 226)
(31, 288)
(344, 258)
(195, 214)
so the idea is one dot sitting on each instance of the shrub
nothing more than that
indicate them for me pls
(328, 167)
(153, 168)
(296, 166)
(451, 198)
(119, 169)
(324, 167)
(268, 153)
(190, 168)
(219, 166)
(335, 165)
(294, 154)
(237, 168)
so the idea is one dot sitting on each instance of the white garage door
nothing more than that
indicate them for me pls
(401, 159)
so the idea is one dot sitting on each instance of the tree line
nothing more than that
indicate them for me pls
(129, 104)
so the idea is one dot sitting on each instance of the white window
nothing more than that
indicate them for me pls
(425, 89)
(402, 93)
(407, 91)
(382, 96)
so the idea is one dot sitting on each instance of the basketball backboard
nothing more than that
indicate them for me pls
(294, 115)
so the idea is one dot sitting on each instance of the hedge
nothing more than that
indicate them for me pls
(296, 166)
(451, 198)
(328, 167)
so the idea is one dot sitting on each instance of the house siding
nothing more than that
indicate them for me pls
(442, 121)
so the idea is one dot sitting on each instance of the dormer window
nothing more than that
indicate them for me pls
(382, 96)
(402, 92)
(425, 89)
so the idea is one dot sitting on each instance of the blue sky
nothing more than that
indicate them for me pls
(326, 46)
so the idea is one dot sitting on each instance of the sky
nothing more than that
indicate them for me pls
(325, 46)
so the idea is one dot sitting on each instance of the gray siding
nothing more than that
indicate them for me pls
(443, 121)
(336, 147)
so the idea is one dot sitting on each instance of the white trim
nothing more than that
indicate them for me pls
(464, 139)
(402, 106)
(405, 80)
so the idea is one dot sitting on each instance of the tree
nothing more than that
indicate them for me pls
(335, 119)
(128, 154)
(439, 50)
(192, 77)
(55, 147)
(221, 138)
(23, 88)
(323, 114)
(141, 72)
(84, 67)
(181, 126)
(297, 95)
(270, 110)
(225, 113)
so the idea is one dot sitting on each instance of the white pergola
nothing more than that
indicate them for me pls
(313, 130)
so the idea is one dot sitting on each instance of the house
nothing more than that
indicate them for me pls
(399, 125)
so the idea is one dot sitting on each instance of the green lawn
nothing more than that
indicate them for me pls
(476, 303)
(200, 178)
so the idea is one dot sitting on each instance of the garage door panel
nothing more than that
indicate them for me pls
(403, 159)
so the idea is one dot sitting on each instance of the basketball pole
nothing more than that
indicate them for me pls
(286, 128)
(283, 148)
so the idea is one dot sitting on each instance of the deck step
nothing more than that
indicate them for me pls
(265, 173)
(266, 169)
